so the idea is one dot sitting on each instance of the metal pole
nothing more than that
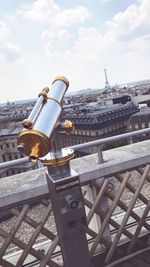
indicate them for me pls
(13, 163)
(69, 213)
(110, 139)
(100, 155)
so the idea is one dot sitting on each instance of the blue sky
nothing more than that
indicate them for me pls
(40, 39)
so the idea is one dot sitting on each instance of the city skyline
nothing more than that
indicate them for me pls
(41, 39)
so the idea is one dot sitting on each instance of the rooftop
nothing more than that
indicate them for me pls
(142, 116)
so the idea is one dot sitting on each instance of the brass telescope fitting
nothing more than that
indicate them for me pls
(44, 93)
(27, 124)
(61, 78)
(68, 126)
(36, 139)
(33, 144)
(59, 160)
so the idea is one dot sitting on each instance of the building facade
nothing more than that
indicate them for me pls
(138, 121)
(11, 116)
(90, 123)
(97, 123)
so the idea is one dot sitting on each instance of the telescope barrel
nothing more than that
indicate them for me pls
(36, 108)
(51, 111)
(28, 123)
(36, 142)
(58, 89)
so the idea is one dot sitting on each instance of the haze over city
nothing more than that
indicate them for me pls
(40, 39)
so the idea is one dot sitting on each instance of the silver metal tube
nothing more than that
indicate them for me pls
(58, 90)
(51, 110)
(36, 109)
(48, 117)
(13, 163)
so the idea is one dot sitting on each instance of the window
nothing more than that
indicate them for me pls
(140, 126)
(9, 157)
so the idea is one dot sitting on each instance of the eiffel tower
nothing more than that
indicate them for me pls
(107, 86)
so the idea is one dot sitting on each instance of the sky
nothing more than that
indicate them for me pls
(41, 39)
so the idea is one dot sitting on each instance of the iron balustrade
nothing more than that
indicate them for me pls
(119, 202)
(97, 143)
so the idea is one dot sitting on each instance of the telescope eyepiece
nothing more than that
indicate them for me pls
(63, 79)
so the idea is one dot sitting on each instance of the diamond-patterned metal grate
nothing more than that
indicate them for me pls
(116, 208)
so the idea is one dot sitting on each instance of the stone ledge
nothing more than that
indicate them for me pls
(30, 185)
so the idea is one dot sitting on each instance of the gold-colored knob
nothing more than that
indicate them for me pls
(27, 124)
(68, 126)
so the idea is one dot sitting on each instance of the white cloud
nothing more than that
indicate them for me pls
(87, 46)
(133, 22)
(72, 16)
(39, 10)
(63, 34)
(124, 47)
(73, 48)
(47, 35)
(8, 50)
(90, 45)
(48, 11)
(51, 51)
(55, 43)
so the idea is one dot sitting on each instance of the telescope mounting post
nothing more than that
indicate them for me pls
(69, 212)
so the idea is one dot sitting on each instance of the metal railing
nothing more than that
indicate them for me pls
(110, 139)
(97, 143)
(12, 163)
(117, 211)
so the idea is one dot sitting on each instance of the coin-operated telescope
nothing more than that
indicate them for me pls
(40, 134)
(40, 140)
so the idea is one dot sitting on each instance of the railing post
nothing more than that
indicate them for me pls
(70, 218)
(100, 155)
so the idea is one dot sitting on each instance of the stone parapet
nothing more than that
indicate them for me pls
(31, 185)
